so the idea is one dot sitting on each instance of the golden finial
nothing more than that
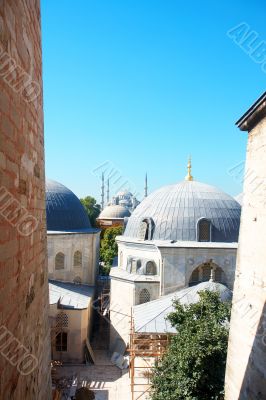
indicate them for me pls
(189, 177)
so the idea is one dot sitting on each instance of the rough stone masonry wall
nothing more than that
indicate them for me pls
(24, 329)
(246, 363)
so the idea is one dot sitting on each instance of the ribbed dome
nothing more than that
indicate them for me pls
(114, 211)
(176, 210)
(64, 211)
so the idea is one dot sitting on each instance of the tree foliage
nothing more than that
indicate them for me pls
(108, 249)
(193, 367)
(93, 209)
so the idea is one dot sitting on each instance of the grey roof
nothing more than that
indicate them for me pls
(176, 210)
(151, 317)
(64, 211)
(71, 295)
(181, 244)
(114, 211)
(253, 114)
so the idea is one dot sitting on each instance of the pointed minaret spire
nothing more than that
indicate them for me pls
(146, 186)
(189, 177)
(108, 191)
(102, 191)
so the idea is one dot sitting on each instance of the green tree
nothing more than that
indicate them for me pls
(193, 367)
(108, 249)
(93, 209)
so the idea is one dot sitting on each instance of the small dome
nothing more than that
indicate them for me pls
(64, 211)
(114, 211)
(175, 211)
(225, 293)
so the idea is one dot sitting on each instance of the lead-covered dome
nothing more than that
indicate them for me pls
(64, 211)
(114, 212)
(173, 213)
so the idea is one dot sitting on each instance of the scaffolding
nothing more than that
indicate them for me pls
(144, 350)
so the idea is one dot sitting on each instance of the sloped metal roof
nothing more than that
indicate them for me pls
(70, 295)
(64, 211)
(176, 210)
(151, 317)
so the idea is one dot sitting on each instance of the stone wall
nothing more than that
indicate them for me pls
(23, 270)
(179, 263)
(246, 362)
(87, 244)
(78, 328)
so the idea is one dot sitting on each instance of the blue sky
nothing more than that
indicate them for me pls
(141, 85)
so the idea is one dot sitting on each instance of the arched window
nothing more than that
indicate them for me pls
(151, 268)
(206, 272)
(204, 230)
(144, 296)
(143, 230)
(203, 273)
(60, 261)
(194, 279)
(77, 259)
(219, 275)
(61, 320)
(146, 229)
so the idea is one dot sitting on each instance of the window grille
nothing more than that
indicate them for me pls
(144, 296)
(60, 261)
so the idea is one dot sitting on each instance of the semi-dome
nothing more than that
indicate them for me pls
(64, 211)
(173, 213)
(114, 212)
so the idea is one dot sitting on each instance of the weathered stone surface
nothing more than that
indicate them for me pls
(23, 269)
(246, 362)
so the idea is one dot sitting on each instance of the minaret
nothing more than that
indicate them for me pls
(108, 191)
(189, 177)
(146, 186)
(102, 191)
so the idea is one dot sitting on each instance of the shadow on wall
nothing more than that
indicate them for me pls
(254, 382)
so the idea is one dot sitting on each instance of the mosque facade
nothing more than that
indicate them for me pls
(73, 259)
(175, 238)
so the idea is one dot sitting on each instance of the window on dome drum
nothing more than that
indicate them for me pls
(60, 261)
(61, 341)
(144, 296)
(77, 259)
(143, 230)
(146, 229)
(204, 230)
(61, 320)
(151, 268)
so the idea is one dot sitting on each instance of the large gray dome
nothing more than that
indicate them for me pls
(64, 211)
(175, 211)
